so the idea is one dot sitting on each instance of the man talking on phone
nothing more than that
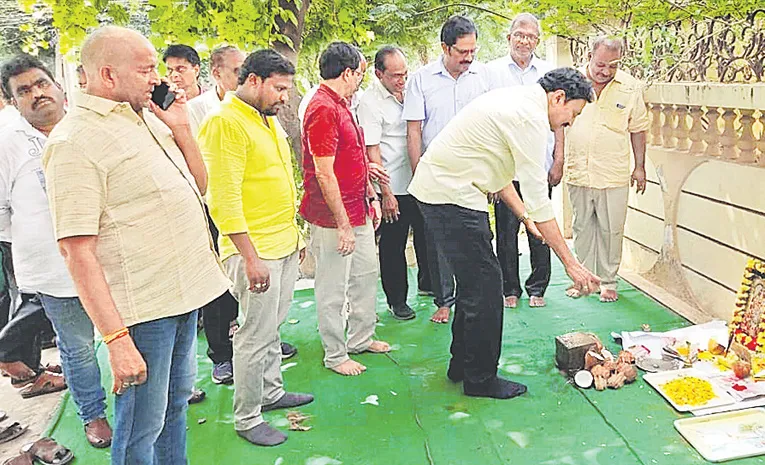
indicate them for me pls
(125, 183)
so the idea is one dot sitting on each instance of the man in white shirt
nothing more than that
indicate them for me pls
(435, 94)
(8, 113)
(224, 68)
(380, 114)
(225, 63)
(500, 135)
(40, 271)
(522, 68)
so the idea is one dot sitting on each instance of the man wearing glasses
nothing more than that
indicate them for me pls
(436, 93)
(521, 67)
(183, 66)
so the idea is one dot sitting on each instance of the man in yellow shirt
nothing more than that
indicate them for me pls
(598, 163)
(251, 196)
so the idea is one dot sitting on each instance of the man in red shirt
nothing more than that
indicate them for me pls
(343, 210)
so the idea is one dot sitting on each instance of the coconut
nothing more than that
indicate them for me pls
(583, 379)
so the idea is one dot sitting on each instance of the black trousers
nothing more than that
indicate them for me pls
(393, 237)
(508, 226)
(217, 316)
(477, 327)
(20, 339)
(7, 284)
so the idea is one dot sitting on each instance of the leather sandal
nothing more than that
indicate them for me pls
(23, 459)
(45, 383)
(99, 433)
(48, 452)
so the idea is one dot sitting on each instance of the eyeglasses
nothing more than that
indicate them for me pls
(473, 51)
(527, 37)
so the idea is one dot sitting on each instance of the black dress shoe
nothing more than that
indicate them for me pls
(496, 388)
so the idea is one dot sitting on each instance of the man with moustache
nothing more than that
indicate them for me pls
(137, 246)
(252, 199)
(380, 115)
(521, 67)
(598, 163)
(225, 63)
(436, 93)
(217, 319)
(183, 65)
(343, 210)
(40, 271)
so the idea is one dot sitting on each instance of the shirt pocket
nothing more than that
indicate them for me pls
(616, 113)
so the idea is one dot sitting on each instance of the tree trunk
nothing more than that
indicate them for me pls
(289, 115)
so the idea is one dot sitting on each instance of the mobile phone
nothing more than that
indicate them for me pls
(163, 96)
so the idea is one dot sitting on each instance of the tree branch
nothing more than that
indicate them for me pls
(467, 5)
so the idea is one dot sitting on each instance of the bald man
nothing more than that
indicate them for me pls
(125, 183)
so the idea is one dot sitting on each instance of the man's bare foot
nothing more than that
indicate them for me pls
(511, 301)
(441, 315)
(349, 368)
(608, 295)
(537, 301)
(573, 292)
(378, 347)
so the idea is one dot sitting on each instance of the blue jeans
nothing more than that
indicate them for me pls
(74, 333)
(150, 419)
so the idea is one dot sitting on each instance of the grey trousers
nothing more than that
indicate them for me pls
(352, 278)
(599, 216)
(257, 347)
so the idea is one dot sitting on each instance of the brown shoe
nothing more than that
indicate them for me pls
(99, 433)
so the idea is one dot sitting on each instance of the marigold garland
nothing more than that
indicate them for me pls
(755, 271)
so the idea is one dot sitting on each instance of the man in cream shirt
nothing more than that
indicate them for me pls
(598, 163)
(500, 135)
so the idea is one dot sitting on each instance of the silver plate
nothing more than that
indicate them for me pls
(654, 365)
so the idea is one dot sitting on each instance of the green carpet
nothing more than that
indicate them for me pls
(422, 418)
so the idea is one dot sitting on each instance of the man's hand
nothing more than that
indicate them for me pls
(346, 240)
(638, 178)
(390, 211)
(378, 174)
(375, 211)
(555, 175)
(257, 274)
(584, 281)
(301, 256)
(531, 229)
(176, 114)
(128, 366)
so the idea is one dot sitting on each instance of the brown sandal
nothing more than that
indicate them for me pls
(48, 452)
(23, 459)
(45, 383)
(99, 433)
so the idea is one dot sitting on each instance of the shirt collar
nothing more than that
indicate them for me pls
(332, 94)
(382, 92)
(441, 68)
(23, 126)
(242, 106)
(618, 77)
(532, 64)
(96, 104)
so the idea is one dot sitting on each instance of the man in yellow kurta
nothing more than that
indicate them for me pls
(598, 163)
(251, 196)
